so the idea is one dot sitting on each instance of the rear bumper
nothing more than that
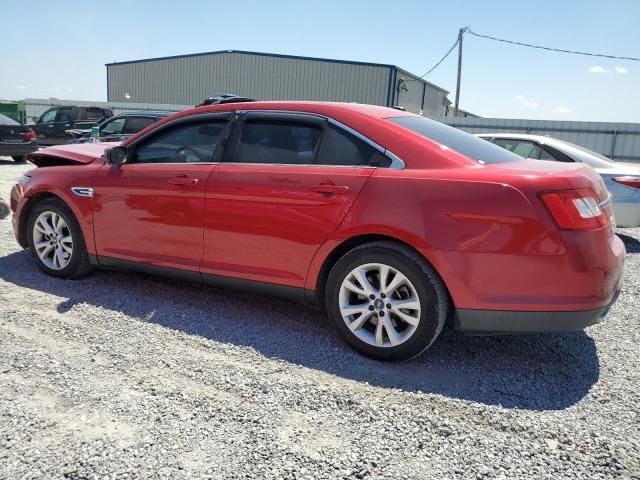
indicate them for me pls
(493, 322)
(17, 148)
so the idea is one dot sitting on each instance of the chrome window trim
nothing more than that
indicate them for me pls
(169, 163)
(298, 165)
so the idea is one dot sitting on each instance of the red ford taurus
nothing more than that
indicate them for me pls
(389, 221)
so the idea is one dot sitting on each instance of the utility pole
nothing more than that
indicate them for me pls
(457, 103)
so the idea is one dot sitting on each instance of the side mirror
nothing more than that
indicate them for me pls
(117, 155)
(35, 119)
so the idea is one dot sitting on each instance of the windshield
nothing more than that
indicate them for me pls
(462, 142)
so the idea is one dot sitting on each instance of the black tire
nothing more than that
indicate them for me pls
(19, 158)
(429, 288)
(5, 210)
(79, 264)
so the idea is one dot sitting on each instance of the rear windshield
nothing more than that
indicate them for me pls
(462, 142)
(4, 120)
(587, 156)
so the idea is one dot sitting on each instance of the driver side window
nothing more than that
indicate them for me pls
(191, 143)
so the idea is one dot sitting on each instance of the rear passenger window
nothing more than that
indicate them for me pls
(341, 148)
(279, 143)
(523, 148)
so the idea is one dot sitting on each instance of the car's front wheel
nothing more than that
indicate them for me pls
(19, 158)
(56, 241)
(386, 301)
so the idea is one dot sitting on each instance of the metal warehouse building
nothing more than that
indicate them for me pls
(188, 79)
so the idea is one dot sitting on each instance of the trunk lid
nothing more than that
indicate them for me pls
(550, 175)
(578, 175)
(74, 154)
(12, 133)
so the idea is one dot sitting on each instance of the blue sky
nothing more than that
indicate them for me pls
(58, 49)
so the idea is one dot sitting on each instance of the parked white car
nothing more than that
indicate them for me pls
(622, 179)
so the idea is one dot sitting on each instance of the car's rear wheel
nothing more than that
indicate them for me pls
(56, 241)
(386, 301)
(19, 158)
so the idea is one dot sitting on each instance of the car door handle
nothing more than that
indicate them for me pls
(183, 181)
(328, 188)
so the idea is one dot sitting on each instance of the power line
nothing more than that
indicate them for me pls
(437, 64)
(551, 49)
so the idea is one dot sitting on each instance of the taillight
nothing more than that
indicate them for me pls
(575, 209)
(28, 135)
(628, 180)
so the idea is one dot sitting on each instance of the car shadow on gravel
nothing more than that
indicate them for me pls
(535, 372)
(9, 161)
(631, 244)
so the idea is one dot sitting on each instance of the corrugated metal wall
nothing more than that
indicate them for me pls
(620, 141)
(409, 93)
(37, 106)
(189, 79)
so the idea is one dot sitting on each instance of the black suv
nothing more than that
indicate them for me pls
(52, 125)
(118, 127)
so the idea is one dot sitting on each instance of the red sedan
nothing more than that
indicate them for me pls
(391, 222)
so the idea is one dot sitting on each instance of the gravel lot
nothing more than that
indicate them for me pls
(122, 375)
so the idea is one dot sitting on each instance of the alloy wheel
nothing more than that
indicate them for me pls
(52, 240)
(379, 305)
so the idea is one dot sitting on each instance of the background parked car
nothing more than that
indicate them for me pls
(118, 127)
(16, 140)
(622, 179)
(52, 125)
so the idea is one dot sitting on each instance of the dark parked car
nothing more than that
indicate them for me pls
(16, 140)
(51, 127)
(119, 127)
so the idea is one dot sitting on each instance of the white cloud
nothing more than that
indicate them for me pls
(598, 69)
(526, 102)
(621, 70)
(21, 87)
(562, 110)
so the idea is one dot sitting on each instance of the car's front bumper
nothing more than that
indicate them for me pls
(10, 149)
(494, 322)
